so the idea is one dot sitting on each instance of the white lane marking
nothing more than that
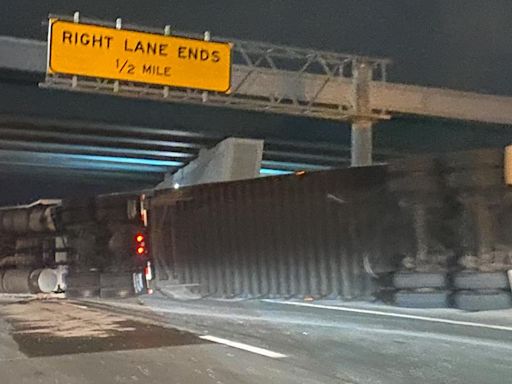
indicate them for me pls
(245, 347)
(396, 315)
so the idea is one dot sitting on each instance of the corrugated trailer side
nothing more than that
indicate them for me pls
(319, 234)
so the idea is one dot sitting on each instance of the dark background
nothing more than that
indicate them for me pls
(463, 44)
(459, 44)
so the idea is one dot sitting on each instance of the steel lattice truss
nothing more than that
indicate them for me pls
(265, 77)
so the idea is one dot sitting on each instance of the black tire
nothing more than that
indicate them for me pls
(116, 280)
(483, 300)
(481, 280)
(116, 293)
(82, 293)
(417, 299)
(83, 280)
(415, 280)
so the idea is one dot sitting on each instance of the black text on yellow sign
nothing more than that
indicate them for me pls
(94, 51)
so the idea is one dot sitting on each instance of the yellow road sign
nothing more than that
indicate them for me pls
(95, 51)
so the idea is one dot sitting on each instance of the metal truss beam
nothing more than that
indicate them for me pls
(30, 56)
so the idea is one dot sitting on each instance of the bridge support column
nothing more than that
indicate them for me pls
(361, 151)
(361, 145)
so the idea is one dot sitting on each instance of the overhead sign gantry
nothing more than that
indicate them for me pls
(264, 79)
(93, 56)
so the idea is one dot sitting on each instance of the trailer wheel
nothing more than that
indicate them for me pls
(482, 300)
(418, 299)
(416, 280)
(481, 280)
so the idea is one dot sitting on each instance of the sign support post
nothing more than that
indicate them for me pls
(362, 123)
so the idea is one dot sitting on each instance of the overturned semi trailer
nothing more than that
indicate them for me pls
(426, 231)
(318, 234)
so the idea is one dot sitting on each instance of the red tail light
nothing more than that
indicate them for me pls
(140, 244)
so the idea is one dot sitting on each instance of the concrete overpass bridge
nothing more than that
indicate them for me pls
(67, 142)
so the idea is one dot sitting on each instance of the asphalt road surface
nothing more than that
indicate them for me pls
(156, 340)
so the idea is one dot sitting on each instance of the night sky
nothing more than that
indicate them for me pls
(462, 44)
(459, 44)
